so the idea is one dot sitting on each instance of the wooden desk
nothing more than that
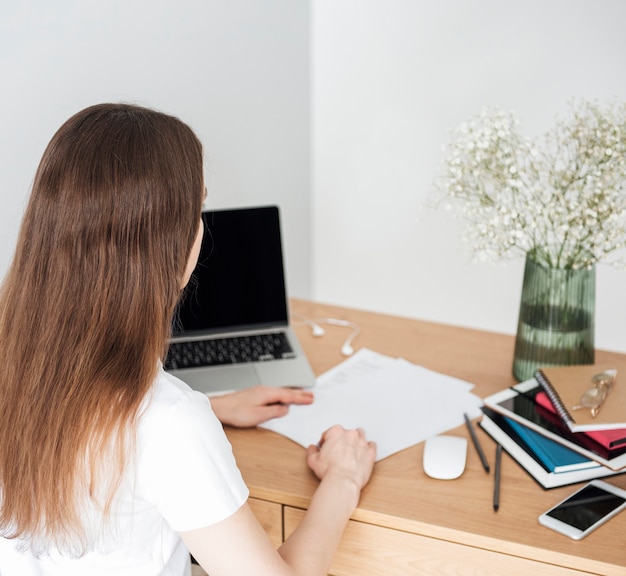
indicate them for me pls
(406, 523)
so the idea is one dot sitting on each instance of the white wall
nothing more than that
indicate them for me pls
(390, 78)
(237, 71)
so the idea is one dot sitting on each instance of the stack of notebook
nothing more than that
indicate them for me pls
(535, 423)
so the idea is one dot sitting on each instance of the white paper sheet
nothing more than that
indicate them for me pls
(397, 403)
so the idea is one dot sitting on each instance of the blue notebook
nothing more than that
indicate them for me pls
(555, 457)
(504, 432)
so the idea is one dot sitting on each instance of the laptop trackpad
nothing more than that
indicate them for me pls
(221, 379)
(283, 373)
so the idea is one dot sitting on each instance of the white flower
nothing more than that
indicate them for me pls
(561, 200)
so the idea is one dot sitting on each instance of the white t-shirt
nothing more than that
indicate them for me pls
(186, 478)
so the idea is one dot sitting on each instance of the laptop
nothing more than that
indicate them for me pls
(231, 330)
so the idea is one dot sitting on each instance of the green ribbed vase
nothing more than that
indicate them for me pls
(556, 319)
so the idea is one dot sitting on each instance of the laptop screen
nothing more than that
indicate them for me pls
(239, 281)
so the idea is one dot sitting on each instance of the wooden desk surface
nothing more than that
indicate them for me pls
(400, 495)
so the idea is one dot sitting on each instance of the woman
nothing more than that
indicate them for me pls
(107, 463)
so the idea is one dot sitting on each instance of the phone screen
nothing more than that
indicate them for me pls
(586, 507)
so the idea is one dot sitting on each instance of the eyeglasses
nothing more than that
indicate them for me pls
(593, 399)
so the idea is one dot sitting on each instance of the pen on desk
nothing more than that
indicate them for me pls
(496, 485)
(477, 445)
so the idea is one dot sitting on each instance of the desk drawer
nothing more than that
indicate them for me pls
(368, 550)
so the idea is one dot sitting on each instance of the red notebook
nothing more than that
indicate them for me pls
(608, 438)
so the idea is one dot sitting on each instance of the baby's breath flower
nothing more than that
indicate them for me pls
(562, 200)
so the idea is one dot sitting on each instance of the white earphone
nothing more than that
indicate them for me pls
(317, 330)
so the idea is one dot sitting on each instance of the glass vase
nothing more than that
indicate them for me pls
(556, 319)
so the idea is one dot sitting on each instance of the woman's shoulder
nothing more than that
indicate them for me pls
(167, 387)
(175, 416)
(171, 398)
(185, 465)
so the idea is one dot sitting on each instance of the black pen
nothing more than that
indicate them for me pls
(477, 445)
(496, 485)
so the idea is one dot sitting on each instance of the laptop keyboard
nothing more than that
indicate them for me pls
(234, 350)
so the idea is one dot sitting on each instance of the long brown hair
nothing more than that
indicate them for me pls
(86, 308)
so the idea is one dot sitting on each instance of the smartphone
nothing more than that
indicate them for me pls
(585, 510)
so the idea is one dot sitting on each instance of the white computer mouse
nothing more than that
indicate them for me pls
(445, 456)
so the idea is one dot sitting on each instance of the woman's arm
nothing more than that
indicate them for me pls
(343, 461)
(247, 408)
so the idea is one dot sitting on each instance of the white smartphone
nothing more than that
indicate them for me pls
(585, 510)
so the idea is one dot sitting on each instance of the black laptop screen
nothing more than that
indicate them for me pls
(239, 281)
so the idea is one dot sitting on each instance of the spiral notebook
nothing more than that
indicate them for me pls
(610, 439)
(565, 386)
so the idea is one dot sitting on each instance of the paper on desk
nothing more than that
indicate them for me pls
(397, 403)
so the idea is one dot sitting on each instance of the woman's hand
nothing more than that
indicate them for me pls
(247, 408)
(343, 453)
